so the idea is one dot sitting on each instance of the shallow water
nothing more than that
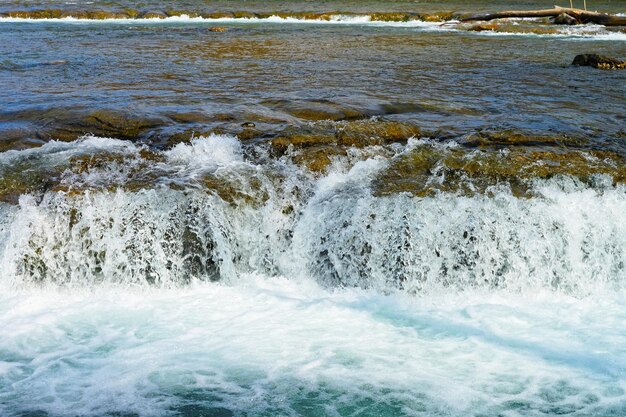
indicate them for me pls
(290, 214)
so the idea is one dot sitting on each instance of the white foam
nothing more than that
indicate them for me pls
(337, 19)
(207, 153)
(282, 347)
(63, 150)
(581, 32)
(575, 33)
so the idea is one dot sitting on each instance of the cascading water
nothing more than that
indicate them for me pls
(343, 209)
(216, 279)
(567, 238)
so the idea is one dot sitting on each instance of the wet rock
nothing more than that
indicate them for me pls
(316, 110)
(357, 134)
(374, 132)
(599, 62)
(17, 135)
(153, 15)
(176, 13)
(515, 28)
(248, 124)
(191, 117)
(244, 15)
(248, 134)
(300, 15)
(316, 145)
(391, 17)
(301, 140)
(104, 14)
(507, 138)
(218, 29)
(318, 158)
(242, 190)
(27, 176)
(438, 17)
(77, 14)
(132, 13)
(217, 15)
(536, 30)
(431, 168)
(38, 14)
(187, 135)
(565, 19)
(62, 125)
(483, 27)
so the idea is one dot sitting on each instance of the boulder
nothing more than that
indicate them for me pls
(599, 61)
(565, 19)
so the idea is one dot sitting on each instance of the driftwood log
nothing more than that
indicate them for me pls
(579, 16)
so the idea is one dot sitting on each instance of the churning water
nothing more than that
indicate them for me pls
(344, 304)
(351, 211)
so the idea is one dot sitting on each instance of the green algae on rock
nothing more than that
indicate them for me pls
(429, 168)
(69, 125)
(315, 145)
(357, 133)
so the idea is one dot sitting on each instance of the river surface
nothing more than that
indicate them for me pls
(292, 208)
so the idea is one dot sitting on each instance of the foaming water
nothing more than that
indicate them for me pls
(287, 347)
(581, 32)
(335, 19)
(213, 213)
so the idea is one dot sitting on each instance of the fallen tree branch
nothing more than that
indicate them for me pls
(581, 16)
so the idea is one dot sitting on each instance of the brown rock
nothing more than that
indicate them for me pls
(153, 15)
(565, 19)
(483, 27)
(598, 61)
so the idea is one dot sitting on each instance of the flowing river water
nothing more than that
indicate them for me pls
(290, 208)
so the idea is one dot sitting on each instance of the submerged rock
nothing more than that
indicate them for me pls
(61, 125)
(317, 110)
(599, 62)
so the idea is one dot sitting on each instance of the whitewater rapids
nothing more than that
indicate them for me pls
(169, 301)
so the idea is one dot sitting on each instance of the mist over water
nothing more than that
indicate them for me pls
(286, 209)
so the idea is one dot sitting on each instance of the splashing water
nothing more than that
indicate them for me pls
(240, 285)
